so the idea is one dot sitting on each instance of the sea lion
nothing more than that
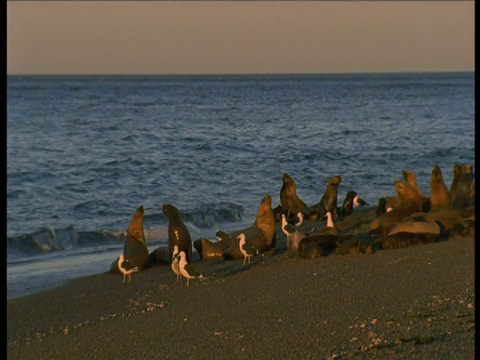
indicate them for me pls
(414, 230)
(261, 236)
(439, 194)
(135, 249)
(457, 174)
(178, 233)
(445, 218)
(265, 222)
(464, 228)
(291, 204)
(160, 256)
(463, 198)
(354, 246)
(410, 202)
(351, 200)
(327, 239)
(328, 202)
(411, 178)
(381, 207)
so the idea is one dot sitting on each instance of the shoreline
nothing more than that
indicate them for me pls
(416, 302)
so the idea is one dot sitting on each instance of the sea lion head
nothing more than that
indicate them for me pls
(135, 229)
(411, 178)
(457, 169)
(170, 210)
(436, 174)
(467, 168)
(265, 204)
(288, 180)
(406, 191)
(334, 181)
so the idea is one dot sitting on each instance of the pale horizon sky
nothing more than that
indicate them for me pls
(239, 37)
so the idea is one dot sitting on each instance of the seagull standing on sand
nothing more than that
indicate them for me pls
(176, 263)
(248, 250)
(126, 267)
(187, 270)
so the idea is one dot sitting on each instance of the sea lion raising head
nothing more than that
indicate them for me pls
(439, 194)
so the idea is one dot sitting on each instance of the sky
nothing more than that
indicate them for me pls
(238, 37)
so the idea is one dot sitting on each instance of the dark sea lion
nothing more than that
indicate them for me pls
(354, 246)
(160, 256)
(464, 228)
(439, 194)
(261, 236)
(463, 198)
(328, 202)
(410, 202)
(309, 249)
(457, 174)
(327, 239)
(381, 207)
(351, 200)
(210, 250)
(178, 233)
(472, 193)
(135, 249)
(289, 200)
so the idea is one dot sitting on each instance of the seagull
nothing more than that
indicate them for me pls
(126, 267)
(175, 263)
(287, 228)
(248, 250)
(187, 270)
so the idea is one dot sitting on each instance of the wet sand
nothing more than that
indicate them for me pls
(413, 303)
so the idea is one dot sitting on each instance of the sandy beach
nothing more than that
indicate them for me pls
(412, 303)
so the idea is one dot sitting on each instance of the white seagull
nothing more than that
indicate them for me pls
(176, 263)
(247, 250)
(126, 267)
(187, 270)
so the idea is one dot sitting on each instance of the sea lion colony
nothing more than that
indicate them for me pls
(409, 218)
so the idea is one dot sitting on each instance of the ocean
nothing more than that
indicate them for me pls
(83, 152)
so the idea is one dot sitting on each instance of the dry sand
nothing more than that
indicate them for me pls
(413, 303)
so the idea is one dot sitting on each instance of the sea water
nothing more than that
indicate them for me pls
(84, 152)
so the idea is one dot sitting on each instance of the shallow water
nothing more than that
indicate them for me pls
(83, 152)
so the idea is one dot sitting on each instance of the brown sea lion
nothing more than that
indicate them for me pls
(261, 236)
(445, 218)
(291, 204)
(410, 202)
(457, 174)
(439, 194)
(135, 249)
(178, 233)
(328, 202)
(411, 178)
(463, 198)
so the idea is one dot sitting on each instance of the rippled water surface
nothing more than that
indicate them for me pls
(83, 152)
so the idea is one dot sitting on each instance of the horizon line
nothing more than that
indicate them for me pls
(252, 73)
